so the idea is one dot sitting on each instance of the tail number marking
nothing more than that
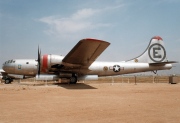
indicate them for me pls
(157, 52)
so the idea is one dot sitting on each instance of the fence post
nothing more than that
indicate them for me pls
(135, 79)
(112, 80)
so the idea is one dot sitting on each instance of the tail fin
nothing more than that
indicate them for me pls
(155, 52)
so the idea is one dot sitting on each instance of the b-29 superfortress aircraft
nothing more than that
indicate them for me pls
(80, 64)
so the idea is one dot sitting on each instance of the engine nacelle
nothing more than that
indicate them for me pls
(49, 60)
(52, 77)
(88, 77)
(47, 77)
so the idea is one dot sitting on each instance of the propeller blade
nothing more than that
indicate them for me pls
(39, 61)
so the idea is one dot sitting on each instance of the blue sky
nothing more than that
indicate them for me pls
(57, 25)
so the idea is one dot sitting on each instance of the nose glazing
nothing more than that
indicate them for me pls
(8, 66)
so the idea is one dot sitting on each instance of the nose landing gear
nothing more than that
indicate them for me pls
(7, 80)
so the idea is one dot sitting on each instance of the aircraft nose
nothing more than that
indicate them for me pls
(8, 67)
(5, 67)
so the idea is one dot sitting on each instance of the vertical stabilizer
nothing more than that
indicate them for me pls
(155, 52)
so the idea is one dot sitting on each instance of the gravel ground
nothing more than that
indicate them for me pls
(90, 102)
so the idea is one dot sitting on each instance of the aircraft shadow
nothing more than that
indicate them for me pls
(64, 85)
(75, 86)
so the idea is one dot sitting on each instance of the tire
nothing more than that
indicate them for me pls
(7, 81)
(73, 80)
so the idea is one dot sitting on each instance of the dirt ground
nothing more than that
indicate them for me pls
(27, 102)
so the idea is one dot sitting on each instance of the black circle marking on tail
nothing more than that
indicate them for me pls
(154, 54)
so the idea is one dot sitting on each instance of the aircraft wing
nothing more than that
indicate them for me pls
(85, 52)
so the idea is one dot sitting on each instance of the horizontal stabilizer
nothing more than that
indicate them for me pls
(162, 63)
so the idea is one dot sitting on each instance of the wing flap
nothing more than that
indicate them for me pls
(85, 52)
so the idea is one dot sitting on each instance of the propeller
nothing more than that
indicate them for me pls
(39, 61)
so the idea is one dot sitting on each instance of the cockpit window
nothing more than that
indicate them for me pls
(9, 61)
(27, 62)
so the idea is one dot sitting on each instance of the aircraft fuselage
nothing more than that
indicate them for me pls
(27, 67)
(118, 68)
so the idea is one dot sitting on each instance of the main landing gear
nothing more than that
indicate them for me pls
(73, 80)
(7, 80)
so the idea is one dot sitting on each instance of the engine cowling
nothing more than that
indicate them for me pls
(49, 60)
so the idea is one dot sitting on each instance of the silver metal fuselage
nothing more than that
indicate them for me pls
(28, 67)
(107, 68)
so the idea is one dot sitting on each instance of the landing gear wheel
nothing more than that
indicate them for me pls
(7, 81)
(73, 80)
